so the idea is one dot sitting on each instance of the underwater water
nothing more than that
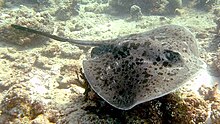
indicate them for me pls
(109, 61)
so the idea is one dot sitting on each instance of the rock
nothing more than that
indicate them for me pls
(215, 114)
(121, 6)
(211, 94)
(70, 51)
(179, 12)
(66, 11)
(19, 105)
(217, 12)
(176, 3)
(173, 5)
(62, 14)
(38, 5)
(206, 4)
(135, 12)
(217, 21)
(51, 51)
(171, 108)
(78, 27)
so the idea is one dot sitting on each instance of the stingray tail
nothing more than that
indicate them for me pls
(78, 42)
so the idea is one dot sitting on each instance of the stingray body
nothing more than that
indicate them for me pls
(140, 67)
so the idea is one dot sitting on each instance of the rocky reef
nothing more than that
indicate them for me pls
(183, 106)
(160, 7)
(147, 6)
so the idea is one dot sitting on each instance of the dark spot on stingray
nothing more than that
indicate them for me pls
(120, 52)
(158, 58)
(160, 73)
(139, 61)
(121, 92)
(147, 44)
(134, 45)
(98, 72)
(111, 79)
(147, 75)
(144, 53)
(133, 72)
(165, 63)
(118, 69)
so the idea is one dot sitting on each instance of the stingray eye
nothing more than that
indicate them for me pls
(100, 50)
(172, 56)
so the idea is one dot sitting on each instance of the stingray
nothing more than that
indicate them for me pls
(137, 68)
